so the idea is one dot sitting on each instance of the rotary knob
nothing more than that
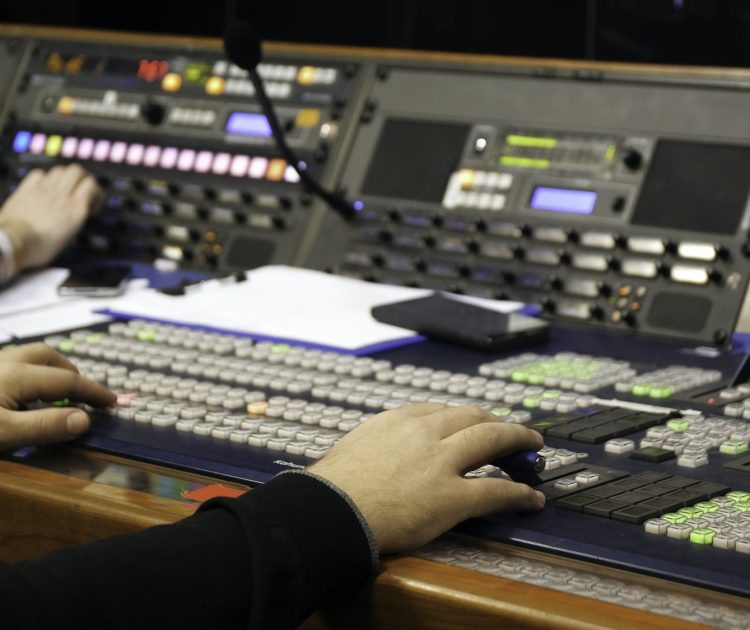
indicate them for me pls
(153, 112)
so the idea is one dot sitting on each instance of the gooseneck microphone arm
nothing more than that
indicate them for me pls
(243, 48)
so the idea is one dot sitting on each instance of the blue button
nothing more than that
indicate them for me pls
(22, 141)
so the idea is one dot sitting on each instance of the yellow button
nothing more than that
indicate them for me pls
(171, 82)
(307, 118)
(215, 86)
(276, 168)
(466, 177)
(306, 75)
(52, 148)
(65, 105)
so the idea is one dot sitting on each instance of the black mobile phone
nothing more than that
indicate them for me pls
(440, 317)
(95, 281)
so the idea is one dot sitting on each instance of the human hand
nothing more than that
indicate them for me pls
(34, 372)
(404, 471)
(46, 212)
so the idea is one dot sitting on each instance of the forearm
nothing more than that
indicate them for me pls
(264, 560)
(18, 238)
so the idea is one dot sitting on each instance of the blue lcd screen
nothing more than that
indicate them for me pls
(246, 124)
(563, 200)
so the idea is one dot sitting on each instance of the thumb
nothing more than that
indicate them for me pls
(41, 426)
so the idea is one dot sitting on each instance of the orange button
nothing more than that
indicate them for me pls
(276, 169)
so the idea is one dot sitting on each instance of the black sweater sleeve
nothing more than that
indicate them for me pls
(264, 560)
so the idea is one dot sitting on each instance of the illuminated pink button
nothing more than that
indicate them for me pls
(168, 157)
(240, 164)
(221, 163)
(186, 160)
(203, 161)
(117, 154)
(37, 144)
(258, 166)
(151, 156)
(85, 149)
(69, 147)
(290, 175)
(101, 150)
(134, 154)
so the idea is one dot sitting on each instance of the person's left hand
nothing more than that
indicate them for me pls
(33, 372)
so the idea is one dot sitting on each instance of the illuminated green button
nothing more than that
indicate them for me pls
(500, 411)
(675, 518)
(519, 376)
(64, 402)
(733, 447)
(552, 394)
(53, 146)
(280, 348)
(738, 496)
(610, 154)
(702, 536)
(690, 512)
(94, 338)
(678, 424)
(540, 142)
(536, 379)
(521, 162)
(660, 392)
(742, 507)
(640, 389)
(146, 334)
(706, 507)
(532, 402)
(66, 345)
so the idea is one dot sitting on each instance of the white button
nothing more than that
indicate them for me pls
(696, 251)
(578, 310)
(590, 262)
(689, 275)
(602, 240)
(643, 245)
(553, 235)
(504, 181)
(640, 268)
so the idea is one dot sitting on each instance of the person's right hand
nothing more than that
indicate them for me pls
(47, 211)
(33, 372)
(404, 471)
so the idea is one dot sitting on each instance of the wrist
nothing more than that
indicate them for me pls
(21, 237)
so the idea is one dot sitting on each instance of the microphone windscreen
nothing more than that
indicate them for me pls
(242, 44)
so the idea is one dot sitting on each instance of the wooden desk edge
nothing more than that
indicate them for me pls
(52, 510)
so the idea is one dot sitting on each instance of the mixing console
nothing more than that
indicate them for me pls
(599, 196)
(639, 467)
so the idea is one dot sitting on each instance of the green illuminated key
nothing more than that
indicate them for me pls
(738, 496)
(678, 424)
(733, 447)
(500, 411)
(64, 402)
(640, 389)
(706, 507)
(702, 536)
(519, 376)
(536, 379)
(552, 394)
(66, 345)
(532, 402)
(280, 348)
(675, 518)
(660, 392)
(94, 338)
(690, 512)
(146, 334)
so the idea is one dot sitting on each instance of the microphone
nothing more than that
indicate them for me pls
(242, 44)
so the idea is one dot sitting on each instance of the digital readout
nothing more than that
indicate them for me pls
(246, 124)
(563, 200)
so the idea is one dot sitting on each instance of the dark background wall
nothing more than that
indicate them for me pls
(693, 32)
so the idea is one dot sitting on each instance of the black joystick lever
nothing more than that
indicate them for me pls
(153, 112)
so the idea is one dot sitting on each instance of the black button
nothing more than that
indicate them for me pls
(653, 454)
(604, 508)
(636, 513)
(577, 501)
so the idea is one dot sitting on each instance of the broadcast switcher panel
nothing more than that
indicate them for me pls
(615, 199)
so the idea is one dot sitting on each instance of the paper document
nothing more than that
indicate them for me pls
(285, 304)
